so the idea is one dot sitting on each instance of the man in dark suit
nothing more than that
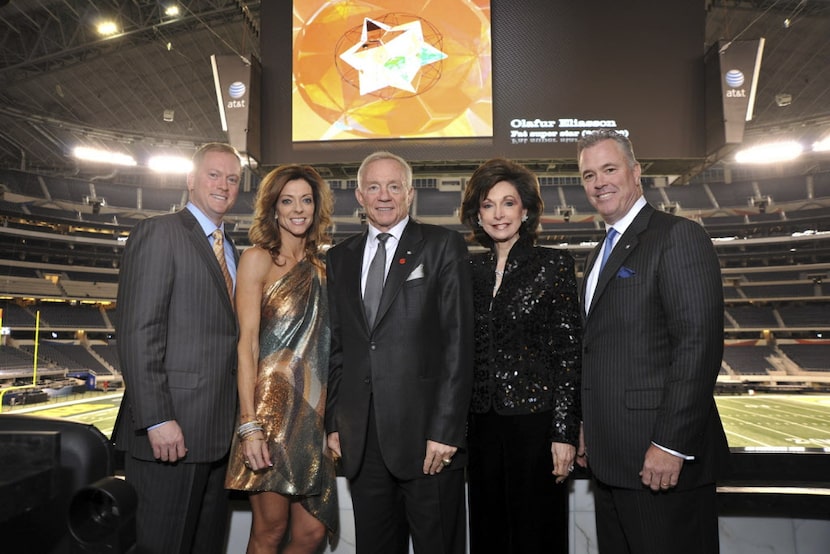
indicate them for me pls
(177, 344)
(401, 369)
(652, 349)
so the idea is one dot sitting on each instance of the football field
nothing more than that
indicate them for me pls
(787, 422)
(764, 422)
(98, 409)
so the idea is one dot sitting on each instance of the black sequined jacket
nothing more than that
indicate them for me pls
(528, 337)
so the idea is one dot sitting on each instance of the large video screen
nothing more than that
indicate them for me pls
(422, 73)
(473, 79)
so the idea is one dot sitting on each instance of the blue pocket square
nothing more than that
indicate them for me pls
(625, 273)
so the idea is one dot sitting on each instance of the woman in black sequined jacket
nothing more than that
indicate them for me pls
(525, 412)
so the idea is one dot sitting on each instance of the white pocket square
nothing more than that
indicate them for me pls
(417, 273)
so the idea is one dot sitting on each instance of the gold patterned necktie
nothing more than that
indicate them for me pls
(219, 251)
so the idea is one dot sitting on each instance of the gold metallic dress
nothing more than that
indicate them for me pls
(290, 396)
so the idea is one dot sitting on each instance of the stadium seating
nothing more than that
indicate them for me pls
(748, 360)
(432, 202)
(812, 316)
(811, 357)
(16, 316)
(109, 352)
(345, 202)
(67, 356)
(753, 317)
(769, 286)
(74, 317)
(12, 358)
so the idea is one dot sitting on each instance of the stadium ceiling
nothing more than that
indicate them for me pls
(61, 84)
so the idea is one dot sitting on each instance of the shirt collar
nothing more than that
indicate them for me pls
(395, 231)
(623, 224)
(204, 221)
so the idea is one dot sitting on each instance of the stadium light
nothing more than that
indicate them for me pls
(103, 156)
(822, 145)
(107, 28)
(772, 152)
(170, 164)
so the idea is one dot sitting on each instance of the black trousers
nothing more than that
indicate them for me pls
(645, 522)
(389, 510)
(182, 508)
(516, 507)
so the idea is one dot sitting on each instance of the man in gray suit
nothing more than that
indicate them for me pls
(177, 344)
(401, 369)
(652, 348)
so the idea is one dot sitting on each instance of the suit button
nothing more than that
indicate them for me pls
(373, 346)
(367, 380)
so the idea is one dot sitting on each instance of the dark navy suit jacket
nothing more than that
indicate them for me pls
(652, 350)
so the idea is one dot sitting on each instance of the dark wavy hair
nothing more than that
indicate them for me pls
(485, 178)
(265, 232)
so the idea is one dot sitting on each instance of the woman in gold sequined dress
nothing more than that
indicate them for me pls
(279, 454)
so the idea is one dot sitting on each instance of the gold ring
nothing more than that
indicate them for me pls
(446, 461)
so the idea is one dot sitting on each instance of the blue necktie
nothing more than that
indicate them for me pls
(374, 280)
(609, 245)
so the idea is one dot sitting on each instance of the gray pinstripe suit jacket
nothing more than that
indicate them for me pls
(177, 339)
(652, 349)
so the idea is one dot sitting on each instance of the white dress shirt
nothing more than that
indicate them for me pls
(372, 246)
(621, 227)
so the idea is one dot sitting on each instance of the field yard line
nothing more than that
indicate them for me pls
(757, 414)
(801, 415)
(786, 398)
(790, 422)
(763, 427)
(773, 412)
(806, 406)
(750, 439)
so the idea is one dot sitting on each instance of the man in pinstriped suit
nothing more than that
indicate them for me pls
(177, 339)
(652, 349)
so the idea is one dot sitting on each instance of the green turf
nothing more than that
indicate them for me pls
(790, 422)
(785, 422)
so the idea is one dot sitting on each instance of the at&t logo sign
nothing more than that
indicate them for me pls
(735, 80)
(236, 91)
